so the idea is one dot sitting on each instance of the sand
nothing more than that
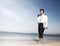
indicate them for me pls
(49, 44)
(8, 42)
(27, 40)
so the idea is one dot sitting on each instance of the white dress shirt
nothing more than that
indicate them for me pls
(43, 19)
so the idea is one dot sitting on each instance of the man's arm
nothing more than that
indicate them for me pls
(46, 22)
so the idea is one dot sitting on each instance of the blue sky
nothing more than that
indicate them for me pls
(52, 9)
(21, 15)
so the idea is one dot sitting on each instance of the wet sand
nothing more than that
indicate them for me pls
(11, 39)
(11, 42)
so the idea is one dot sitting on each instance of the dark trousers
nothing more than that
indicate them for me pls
(40, 30)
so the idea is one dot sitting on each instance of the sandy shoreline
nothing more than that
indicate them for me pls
(49, 44)
(27, 43)
(27, 40)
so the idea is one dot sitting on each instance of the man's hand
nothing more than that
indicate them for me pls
(45, 28)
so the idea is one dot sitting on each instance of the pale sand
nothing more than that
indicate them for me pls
(49, 44)
(27, 43)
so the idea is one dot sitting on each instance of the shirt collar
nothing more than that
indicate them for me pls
(41, 15)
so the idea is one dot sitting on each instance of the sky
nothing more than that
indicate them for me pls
(20, 15)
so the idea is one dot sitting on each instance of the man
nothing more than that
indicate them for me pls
(42, 20)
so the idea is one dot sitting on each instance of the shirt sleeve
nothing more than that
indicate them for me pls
(46, 22)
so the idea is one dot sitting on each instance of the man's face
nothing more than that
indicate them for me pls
(41, 12)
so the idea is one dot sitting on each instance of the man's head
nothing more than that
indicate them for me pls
(41, 11)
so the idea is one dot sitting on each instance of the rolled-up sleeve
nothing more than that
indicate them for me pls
(46, 22)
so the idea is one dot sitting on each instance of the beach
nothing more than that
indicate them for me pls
(15, 39)
(27, 43)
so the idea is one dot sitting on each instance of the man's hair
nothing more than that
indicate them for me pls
(42, 10)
